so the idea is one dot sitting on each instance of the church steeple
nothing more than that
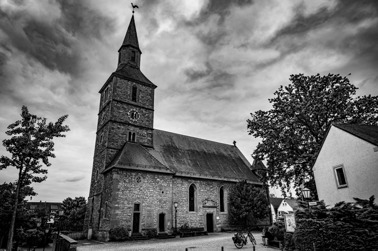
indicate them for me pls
(130, 53)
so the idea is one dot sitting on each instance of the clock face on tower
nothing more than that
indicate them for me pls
(133, 115)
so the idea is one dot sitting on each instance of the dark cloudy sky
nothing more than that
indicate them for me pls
(214, 63)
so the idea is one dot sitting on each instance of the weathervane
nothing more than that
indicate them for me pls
(134, 6)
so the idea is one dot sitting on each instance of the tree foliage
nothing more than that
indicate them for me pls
(293, 130)
(248, 204)
(30, 146)
(7, 198)
(74, 213)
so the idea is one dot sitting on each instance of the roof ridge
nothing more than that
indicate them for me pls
(144, 148)
(355, 130)
(208, 140)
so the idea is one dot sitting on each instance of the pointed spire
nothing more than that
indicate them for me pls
(131, 38)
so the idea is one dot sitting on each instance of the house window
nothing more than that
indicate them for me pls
(221, 199)
(134, 91)
(192, 198)
(132, 136)
(341, 180)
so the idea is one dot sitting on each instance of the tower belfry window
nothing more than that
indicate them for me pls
(134, 91)
(132, 136)
(133, 56)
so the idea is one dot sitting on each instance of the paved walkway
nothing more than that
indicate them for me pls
(211, 242)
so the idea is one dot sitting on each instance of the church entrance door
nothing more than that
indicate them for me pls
(209, 223)
(136, 218)
(161, 222)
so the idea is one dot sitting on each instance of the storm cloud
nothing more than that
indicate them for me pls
(214, 63)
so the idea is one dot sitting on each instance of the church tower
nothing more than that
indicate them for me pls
(125, 114)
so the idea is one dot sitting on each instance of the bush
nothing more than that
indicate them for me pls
(32, 238)
(276, 231)
(118, 234)
(347, 226)
(149, 232)
(184, 226)
(289, 244)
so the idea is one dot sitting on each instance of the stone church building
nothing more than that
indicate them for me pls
(139, 173)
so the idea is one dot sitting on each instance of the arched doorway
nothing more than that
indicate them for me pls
(161, 222)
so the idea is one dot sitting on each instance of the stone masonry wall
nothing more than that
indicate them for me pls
(118, 134)
(205, 190)
(122, 91)
(153, 191)
(156, 193)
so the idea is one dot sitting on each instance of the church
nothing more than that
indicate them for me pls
(144, 178)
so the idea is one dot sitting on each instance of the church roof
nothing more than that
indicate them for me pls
(136, 157)
(131, 37)
(186, 156)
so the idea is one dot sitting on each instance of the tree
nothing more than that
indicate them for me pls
(74, 213)
(7, 198)
(31, 145)
(293, 130)
(248, 204)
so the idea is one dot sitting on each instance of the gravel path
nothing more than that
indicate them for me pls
(211, 242)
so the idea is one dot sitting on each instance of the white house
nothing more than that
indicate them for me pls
(274, 205)
(287, 206)
(347, 164)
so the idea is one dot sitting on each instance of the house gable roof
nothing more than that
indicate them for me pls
(368, 133)
(275, 202)
(186, 156)
(292, 203)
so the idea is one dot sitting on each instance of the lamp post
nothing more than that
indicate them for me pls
(306, 194)
(175, 205)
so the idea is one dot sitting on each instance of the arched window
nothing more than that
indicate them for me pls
(134, 91)
(192, 198)
(221, 199)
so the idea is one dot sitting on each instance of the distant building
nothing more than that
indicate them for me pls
(139, 173)
(49, 207)
(347, 164)
(275, 204)
(287, 206)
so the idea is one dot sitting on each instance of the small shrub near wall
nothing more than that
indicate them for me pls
(149, 232)
(118, 234)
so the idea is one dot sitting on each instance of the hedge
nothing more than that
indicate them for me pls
(347, 226)
(118, 234)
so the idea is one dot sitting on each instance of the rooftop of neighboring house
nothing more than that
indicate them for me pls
(292, 203)
(44, 204)
(368, 133)
(275, 202)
